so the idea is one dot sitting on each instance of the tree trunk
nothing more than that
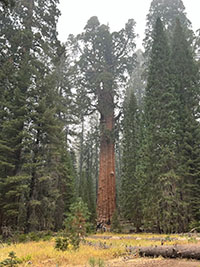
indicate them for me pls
(176, 251)
(106, 201)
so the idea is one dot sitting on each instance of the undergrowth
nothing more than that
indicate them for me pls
(42, 253)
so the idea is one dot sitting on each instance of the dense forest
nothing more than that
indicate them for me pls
(97, 119)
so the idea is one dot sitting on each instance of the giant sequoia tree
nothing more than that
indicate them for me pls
(105, 61)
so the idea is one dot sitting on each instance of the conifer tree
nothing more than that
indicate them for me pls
(137, 82)
(35, 161)
(197, 45)
(16, 46)
(104, 59)
(88, 176)
(186, 84)
(168, 11)
(130, 193)
(162, 202)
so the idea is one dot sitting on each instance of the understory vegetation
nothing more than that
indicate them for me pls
(96, 249)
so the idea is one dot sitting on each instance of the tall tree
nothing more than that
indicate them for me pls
(35, 161)
(105, 59)
(87, 149)
(186, 84)
(137, 81)
(162, 202)
(197, 45)
(168, 11)
(16, 45)
(131, 184)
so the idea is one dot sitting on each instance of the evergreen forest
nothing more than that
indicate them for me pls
(97, 119)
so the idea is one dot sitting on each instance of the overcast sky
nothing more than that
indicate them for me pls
(75, 14)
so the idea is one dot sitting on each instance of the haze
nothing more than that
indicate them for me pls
(114, 13)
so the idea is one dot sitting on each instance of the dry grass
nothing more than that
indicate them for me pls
(43, 253)
(142, 239)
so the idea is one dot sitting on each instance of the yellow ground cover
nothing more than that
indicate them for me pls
(42, 253)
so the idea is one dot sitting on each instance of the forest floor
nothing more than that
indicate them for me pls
(148, 262)
(101, 250)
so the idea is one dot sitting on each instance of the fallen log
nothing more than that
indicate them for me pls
(176, 251)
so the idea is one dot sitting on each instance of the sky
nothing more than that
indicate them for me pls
(115, 13)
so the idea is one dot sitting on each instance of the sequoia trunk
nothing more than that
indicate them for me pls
(106, 202)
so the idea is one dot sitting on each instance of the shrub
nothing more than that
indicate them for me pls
(11, 261)
(62, 243)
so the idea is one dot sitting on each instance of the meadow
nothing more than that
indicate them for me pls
(98, 248)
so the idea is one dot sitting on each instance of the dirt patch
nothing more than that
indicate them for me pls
(146, 262)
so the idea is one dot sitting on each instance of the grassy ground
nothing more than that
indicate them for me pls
(101, 246)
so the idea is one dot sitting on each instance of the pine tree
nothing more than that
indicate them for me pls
(162, 202)
(15, 55)
(137, 82)
(197, 45)
(186, 84)
(131, 194)
(88, 183)
(35, 159)
(168, 11)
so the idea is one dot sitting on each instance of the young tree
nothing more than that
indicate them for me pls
(88, 154)
(76, 226)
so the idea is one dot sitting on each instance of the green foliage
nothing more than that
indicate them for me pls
(76, 226)
(62, 243)
(115, 223)
(96, 262)
(131, 183)
(32, 236)
(36, 236)
(187, 126)
(11, 261)
(36, 173)
(137, 80)
(106, 69)
(194, 226)
(160, 186)
(161, 201)
(103, 61)
(88, 165)
(168, 11)
(168, 165)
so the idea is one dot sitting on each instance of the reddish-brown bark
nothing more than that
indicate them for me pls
(106, 201)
